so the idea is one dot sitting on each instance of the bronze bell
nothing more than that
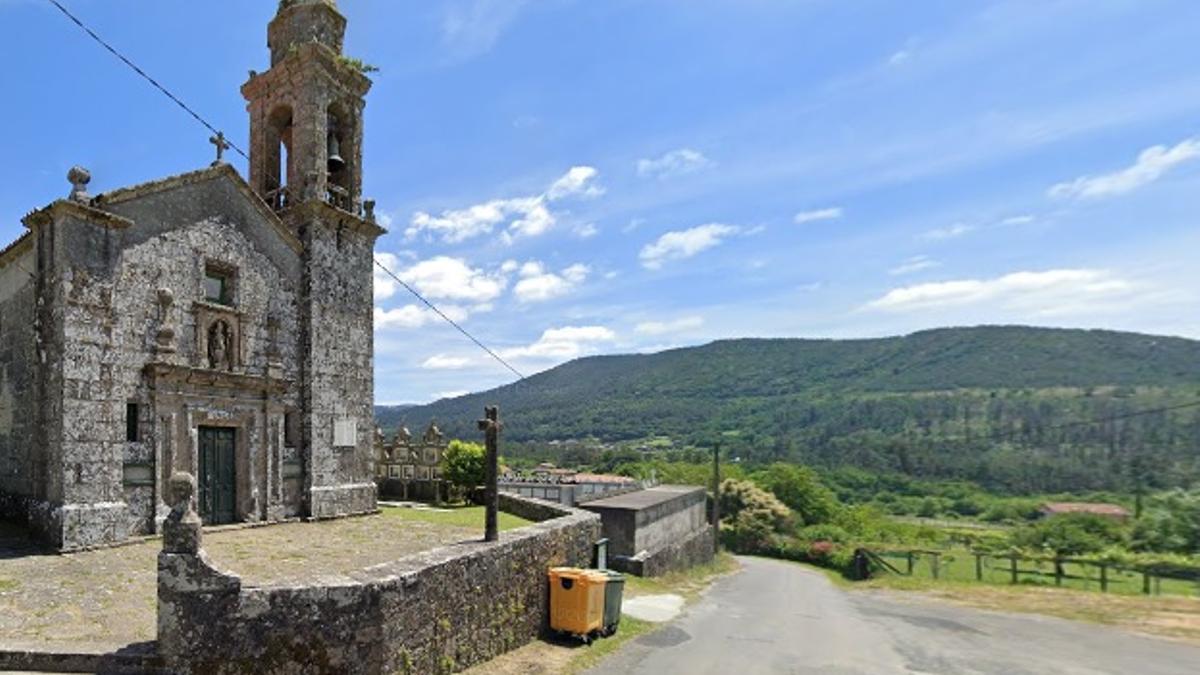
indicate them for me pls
(336, 163)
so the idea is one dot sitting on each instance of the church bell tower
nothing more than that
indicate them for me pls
(306, 137)
(306, 111)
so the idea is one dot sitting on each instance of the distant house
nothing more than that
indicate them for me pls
(1113, 511)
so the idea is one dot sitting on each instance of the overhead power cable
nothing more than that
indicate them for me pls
(448, 320)
(67, 13)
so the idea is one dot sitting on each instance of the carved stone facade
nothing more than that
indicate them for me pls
(410, 468)
(186, 325)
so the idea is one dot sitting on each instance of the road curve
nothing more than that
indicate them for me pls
(777, 617)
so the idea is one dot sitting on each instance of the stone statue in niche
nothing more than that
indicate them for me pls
(220, 339)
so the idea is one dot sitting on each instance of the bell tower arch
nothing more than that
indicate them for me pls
(306, 111)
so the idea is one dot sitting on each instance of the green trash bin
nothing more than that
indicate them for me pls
(613, 591)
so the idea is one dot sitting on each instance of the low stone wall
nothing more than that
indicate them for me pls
(435, 612)
(695, 550)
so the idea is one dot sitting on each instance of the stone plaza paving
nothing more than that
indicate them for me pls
(105, 599)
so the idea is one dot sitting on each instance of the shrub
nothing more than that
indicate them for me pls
(738, 496)
(823, 533)
(1070, 534)
(463, 465)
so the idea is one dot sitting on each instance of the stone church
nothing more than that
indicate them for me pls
(202, 323)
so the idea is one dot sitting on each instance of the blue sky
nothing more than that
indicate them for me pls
(571, 177)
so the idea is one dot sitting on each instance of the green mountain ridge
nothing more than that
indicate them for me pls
(943, 402)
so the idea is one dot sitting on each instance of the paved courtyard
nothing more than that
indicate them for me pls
(106, 599)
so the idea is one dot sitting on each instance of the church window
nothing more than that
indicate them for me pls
(218, 285)
(132, 428)
(291, 429)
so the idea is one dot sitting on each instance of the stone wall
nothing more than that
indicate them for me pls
(695, 549)
(435, 612)
(20, 460)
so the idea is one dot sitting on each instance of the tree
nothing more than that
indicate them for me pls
(1170, 525)
(800, 489)
(1071, 534)
(463, 465)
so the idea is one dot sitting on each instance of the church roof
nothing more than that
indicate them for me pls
(215, 171)
(12, 249)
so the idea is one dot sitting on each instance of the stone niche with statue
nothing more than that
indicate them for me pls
(411, 468)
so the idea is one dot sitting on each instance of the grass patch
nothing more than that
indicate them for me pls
(453, 516)
(958, 565)
(8, 584)
(599, 650)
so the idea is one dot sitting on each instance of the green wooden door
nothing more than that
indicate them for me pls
(217, 475)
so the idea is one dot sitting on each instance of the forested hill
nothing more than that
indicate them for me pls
(896, 403)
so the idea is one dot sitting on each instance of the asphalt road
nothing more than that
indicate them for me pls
(775, 617)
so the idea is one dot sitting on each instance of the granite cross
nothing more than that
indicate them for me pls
(490, 426)
(222, 146)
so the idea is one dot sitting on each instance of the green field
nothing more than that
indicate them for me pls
(959, 565)
(453, 516)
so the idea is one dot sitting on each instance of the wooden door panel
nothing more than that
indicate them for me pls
(218, 475)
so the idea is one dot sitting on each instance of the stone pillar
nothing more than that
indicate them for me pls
(192, 594)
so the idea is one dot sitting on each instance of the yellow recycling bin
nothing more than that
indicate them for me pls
(577, 600)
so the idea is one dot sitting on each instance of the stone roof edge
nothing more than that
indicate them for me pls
(88, 212)
(16, 248)
(359, 223)
(192, 177)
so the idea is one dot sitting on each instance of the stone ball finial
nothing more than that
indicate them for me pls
(166, 297)
(79, 178)
(180, 489)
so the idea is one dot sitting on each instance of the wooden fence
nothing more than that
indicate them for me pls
(1016, 569)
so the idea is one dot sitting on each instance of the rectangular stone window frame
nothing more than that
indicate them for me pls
(220, 283)
(291, 429)
(133, 429)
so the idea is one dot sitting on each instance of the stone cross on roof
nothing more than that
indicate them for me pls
(222, 146)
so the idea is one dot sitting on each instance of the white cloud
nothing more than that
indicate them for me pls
(450, 394)
(472, 27)
(1038, 293)
(385, 285)
(522, 216)
(586, 231)
(538, 285)
(1018, 220)
(674, 163)
(445, 362)
(563, 343)
(576, 182)
(955, 230)
(682, 244)
(899, 57)
(1151, 164)
(447, 278)
(914, 264)
(819, 214)
(412, 316)
(664, 327)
